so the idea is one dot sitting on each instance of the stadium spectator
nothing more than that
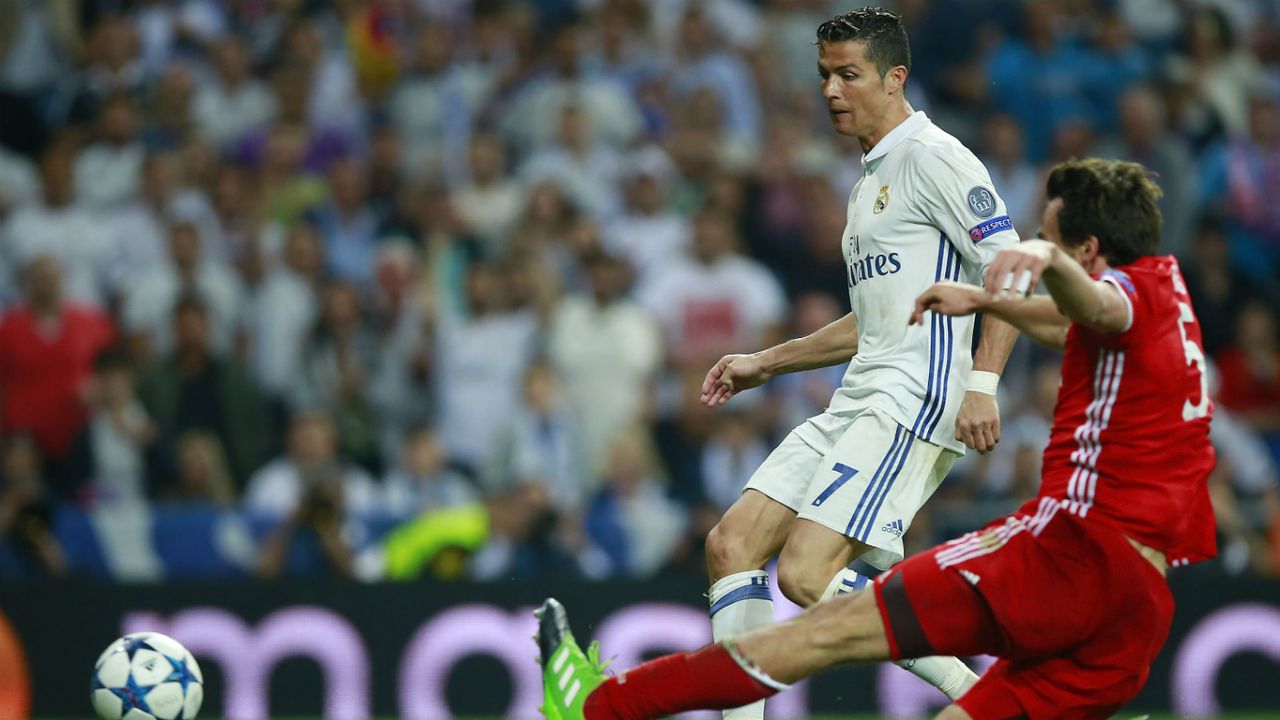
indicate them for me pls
(202, 475)
(310, 540)
(311, 476)
(715, 299)
(59, 227)
(584, 170)
(1219, 72)
(1015, 178)
(1218, 290)
(649, 231)
(481, 354)
(112, 456)
(734, 450)
(347, 223)
(800, 396)
(609, 115)
(432, 106)
(109, 66)
(147, 315)
(422, 481)
(108, 170)
(281, 311)
(47, 349)
(1251, 372)
(1036, 77)
(631, 519)
(1145, 138)
(192, 388)
(1245, 488)
(232, 102)
(141, 227)
(26, 513)
(490, 203)
(541, 444)
(1241, 178)
(606, 350)
(338, 362)
(707, 64)
(19, 184)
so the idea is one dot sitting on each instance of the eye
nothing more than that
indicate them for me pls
(849, 76)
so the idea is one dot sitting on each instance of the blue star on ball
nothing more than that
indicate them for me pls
(133, 696)
(181, 673)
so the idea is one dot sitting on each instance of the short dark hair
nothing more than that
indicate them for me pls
(1113, 200)
(881, 30)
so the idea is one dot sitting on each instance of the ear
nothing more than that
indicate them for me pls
(896, 78)
(1090, 252)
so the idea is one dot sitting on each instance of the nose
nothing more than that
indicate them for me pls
(831, 88)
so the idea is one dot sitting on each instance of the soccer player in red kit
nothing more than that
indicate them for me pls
(1069, 591)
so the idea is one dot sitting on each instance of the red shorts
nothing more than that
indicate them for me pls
(1075, 614)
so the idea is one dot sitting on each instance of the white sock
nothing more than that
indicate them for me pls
(739, 603)
(951, 676)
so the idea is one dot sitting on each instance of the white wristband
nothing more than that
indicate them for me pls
(983, 382)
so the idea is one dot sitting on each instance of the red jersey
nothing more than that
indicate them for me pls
(1130, 443)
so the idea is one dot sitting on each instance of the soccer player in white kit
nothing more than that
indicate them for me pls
(846, 484)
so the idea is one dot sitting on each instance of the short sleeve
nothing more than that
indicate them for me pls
(958, 197)
(1122, 282)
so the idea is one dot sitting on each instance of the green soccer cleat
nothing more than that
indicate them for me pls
(568, 674)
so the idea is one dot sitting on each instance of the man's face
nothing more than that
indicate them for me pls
(852, 87)
(1051, 231)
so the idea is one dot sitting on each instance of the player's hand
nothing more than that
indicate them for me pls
(730, 376)
(948, 298)
(978, 422)
(1015, 272)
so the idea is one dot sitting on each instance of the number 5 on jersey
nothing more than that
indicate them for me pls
(1195, 357)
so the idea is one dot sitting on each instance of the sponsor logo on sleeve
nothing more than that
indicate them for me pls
(982, 202)
(981, 232)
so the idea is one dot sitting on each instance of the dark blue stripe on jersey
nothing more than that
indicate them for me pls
(953, 273)
(939, 353)
(933, 341)
(868, 522)
(885, 462)
(746, 592)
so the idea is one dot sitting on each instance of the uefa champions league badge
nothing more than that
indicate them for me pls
(982, 202)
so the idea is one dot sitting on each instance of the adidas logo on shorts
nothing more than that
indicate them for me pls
(894, 528)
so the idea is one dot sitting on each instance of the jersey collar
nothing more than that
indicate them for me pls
(905, 129)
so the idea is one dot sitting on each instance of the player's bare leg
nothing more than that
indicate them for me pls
(813, 567)
(812, 555)
(751, 532)
(953, 712)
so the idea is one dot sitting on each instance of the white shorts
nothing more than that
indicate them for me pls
(862, 475)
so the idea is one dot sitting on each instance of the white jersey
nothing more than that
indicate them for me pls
(925, 210)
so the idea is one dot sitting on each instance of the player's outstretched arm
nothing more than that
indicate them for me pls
(1037, 317)
(833, 344)
(1096, 305)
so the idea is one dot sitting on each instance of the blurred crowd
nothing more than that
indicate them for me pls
(461, 265)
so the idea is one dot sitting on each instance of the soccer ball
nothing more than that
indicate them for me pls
(146, 676)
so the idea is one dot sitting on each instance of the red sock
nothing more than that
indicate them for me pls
(708, 679)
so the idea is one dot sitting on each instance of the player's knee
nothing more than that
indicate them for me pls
(800, 583)
(727, 552)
